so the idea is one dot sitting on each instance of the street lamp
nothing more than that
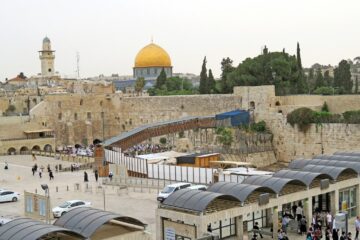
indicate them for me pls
(45, 187)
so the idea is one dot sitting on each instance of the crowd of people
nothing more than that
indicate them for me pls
(140, 149)
(322, 225)
(76, 150)
(146, 149)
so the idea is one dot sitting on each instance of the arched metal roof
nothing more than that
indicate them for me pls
(333, 171)
(239, 191)
(348, 153)
(346, 164)
(29, 229)
(194, 200)
(86, 221)
(307, 177)
(339, 158)
(298, 163)
(275, 183)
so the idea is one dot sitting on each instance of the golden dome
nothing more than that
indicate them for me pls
(152, 55)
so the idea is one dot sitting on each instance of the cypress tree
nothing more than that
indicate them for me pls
(319, 79)
(298, 57)
(203, 88)
(161, 79)
(226, 68)
(211, 82)
(356, 85)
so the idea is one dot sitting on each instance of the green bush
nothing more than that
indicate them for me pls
(258, 127)
(163, 141)
(325, 91)
(325, 107)
(302, 117)
(326, 117)
(352, 116)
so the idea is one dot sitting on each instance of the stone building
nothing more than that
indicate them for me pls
(149, 62)
(47, 57)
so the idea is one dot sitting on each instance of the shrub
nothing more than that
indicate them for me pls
(352, 116)
(326, 117)
(325, 90)
(163, 141)
(325, 107)
(258, 127)
(302, 117)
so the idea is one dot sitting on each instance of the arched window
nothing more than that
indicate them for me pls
(252, 105)
(81, 102)
(277, 103)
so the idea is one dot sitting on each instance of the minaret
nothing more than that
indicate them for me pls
(47, 57)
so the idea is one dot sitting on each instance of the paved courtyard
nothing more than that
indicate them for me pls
(19, 178)
(140, 205)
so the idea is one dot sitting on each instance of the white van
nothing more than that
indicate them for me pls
(169, 189)
(198, 187)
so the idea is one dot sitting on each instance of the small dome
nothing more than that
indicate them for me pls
(46, 39)
(152, 55)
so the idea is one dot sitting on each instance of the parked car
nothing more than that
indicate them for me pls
(67, 206)
(9, 196)
(198, 187)
(169, 189)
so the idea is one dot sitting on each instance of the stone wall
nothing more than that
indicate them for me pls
(290, 143)
(82, 118)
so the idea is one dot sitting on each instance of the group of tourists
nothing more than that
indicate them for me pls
(40, 170)
(145, 149)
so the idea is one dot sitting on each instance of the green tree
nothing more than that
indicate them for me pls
(319, 79)
(161, 79)
(276, 68)
(203, 88)
(327, 79)
(211, 82)
(311, 80)
(356, 84)
(301, 83)
(226, 68)
(139, 84)
(342, 76)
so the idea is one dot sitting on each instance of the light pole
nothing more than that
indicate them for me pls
(45, 187)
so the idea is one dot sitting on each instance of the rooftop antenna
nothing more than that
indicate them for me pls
(78, 65)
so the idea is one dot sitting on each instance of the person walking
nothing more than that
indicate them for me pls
(96, 175)
(111, 176)
(6, 166)
(258, 230)
(329, 220)
(86, 179)
(51, 175)
(33, 170)
(40, 173)
(357, 227)
(303, 223)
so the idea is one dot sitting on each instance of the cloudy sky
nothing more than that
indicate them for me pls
(109, 33)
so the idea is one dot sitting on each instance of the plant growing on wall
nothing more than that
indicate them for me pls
(225, 136)
(163, 141)
(302, 117)
(325, 107)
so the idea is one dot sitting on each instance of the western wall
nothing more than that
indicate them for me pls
(80, 118)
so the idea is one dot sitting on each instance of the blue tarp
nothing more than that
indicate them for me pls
(237, 117)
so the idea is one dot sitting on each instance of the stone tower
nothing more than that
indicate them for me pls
(47, 57)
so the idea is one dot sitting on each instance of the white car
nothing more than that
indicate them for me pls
(67, 206)
(169, 189)
(198, 187)
(9, 196)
